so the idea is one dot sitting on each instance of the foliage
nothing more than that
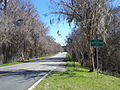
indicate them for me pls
(69, 57)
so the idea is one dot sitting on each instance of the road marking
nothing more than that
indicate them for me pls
(21, 69)
(4, 74)
(36, 83)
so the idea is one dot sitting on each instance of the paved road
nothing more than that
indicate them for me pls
(23, 76)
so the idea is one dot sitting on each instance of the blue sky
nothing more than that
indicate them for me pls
(115, 3)
(63, 27)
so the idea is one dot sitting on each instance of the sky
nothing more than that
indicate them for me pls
(115, 3)
(62, 27)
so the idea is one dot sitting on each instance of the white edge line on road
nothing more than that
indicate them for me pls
(35, 84)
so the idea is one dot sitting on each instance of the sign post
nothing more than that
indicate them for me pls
(97, 58)
(97, 43)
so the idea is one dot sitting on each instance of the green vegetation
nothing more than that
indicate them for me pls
(69, 57)
(25, 61)
(10, 64)
(78, 78)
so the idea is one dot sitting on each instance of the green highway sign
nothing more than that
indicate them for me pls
(97, 43)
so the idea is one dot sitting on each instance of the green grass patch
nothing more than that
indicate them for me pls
(13, 63)
(78, 78)
(25, 61)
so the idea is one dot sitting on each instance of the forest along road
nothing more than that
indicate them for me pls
(23, 76)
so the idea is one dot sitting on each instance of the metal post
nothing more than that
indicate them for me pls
(97, 59)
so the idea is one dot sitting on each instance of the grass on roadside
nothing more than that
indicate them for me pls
(25, 61)
(69, 57)
(13, 63)
(78, 78)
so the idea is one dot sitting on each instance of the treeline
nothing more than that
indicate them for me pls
(22, 34)
(94, 20)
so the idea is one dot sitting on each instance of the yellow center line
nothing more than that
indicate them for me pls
(21, 69)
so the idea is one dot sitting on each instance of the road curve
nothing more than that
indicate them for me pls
(23, 76)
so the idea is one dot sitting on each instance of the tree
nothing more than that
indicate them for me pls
(22, 34)
(93, 17)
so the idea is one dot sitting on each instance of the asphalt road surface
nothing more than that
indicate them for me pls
(23, 76)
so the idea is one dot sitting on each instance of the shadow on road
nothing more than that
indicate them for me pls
(33, 74)
(52, 60)
(26, 74)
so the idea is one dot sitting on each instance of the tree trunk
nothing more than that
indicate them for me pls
(91, 60)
